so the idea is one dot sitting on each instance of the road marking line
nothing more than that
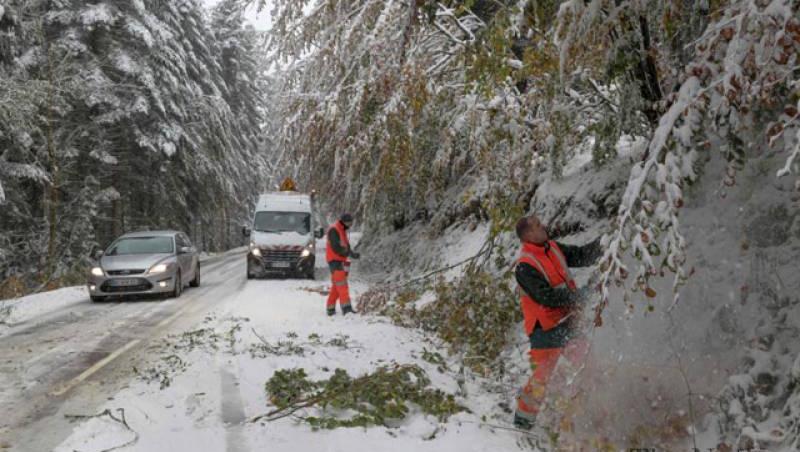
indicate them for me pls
(105, 361)
(97, 366)
(171, 318)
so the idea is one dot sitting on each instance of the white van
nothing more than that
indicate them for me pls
(283, 235)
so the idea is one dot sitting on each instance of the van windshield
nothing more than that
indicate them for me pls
(299, 222)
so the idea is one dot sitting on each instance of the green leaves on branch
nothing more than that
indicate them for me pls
(473, 315)
(379, 398)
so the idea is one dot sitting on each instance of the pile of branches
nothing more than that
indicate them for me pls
(382, 397)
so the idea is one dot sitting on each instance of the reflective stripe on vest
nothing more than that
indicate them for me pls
(563, 264)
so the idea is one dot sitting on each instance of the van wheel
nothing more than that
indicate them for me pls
(311, 274)
(97, 299)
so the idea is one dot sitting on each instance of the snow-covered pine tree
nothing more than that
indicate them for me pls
(119, 117)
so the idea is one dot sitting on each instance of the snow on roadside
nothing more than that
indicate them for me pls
(25, 308)
(207, 404)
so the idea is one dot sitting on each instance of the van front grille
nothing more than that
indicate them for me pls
(281, 255)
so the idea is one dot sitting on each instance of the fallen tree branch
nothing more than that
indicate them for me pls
(280, 413)
(502, 427)
(487, 247)
(107, 413)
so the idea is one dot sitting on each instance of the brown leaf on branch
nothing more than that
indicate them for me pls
(727, 33)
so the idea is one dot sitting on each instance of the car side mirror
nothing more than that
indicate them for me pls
(319, 233)
(245, 231)
(185, 250)
(98, 254)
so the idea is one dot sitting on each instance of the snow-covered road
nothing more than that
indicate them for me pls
(74, 358)
(189, 373)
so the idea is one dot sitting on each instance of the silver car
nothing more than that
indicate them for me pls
(153, 262)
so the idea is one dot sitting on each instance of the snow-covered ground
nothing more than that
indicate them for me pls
(198, 387)
(21, 309)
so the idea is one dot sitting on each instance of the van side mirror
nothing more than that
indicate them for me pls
(245, 231)
(98, 254)
(185, 250)
(319, 233)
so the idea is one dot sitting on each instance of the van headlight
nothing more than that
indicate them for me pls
(97, 271)
(305, 253)
(256, 252)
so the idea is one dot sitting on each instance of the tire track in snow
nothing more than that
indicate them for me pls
(233, 415)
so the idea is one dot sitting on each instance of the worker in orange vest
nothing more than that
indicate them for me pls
(337, 253)
(550, 300)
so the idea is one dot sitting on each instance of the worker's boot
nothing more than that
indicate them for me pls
(331, 312)
(347, 309)
(522, 422)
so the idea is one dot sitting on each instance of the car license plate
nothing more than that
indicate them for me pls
(125, 282)
(280, 264)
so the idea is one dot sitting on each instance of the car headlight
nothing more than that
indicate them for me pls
(160, 268)
(306, 252)
(256, 252)
(97, 271)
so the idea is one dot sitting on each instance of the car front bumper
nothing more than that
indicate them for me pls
(143, 284)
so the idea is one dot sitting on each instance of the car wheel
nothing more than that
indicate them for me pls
(97, 299)
(311, 274)
(178, 286)
(196, 281)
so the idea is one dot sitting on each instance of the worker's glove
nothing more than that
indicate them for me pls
(354, 255)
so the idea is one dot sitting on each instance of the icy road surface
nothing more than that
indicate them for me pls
(184, 374)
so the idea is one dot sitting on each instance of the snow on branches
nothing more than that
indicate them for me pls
(735, 88)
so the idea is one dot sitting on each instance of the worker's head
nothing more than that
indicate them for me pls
(530, 229)
(347, 220)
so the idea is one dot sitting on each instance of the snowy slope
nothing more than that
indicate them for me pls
(737, 313)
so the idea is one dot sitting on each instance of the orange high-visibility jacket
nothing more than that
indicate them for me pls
(552, 264)
(330, 254)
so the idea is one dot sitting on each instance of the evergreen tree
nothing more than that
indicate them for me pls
(119, 116)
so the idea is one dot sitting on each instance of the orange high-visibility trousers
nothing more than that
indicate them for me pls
(543, 362)
(339, 290)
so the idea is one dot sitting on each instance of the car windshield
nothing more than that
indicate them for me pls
(142, 245)
(299, 222)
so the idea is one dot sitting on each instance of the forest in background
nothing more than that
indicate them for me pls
(118, 116)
